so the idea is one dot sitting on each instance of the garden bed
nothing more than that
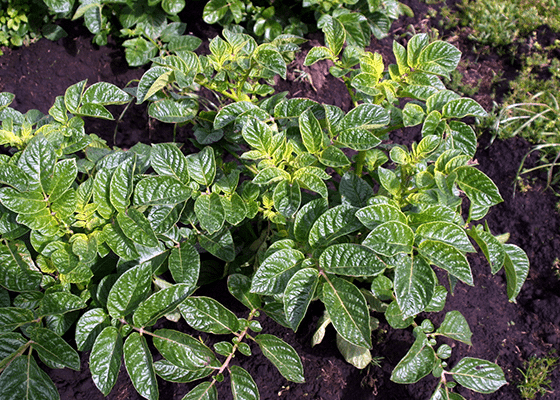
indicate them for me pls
(506, 333)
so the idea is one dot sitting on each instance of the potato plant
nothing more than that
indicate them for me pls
(106, 242)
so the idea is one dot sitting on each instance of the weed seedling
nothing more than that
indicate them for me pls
(536, 377)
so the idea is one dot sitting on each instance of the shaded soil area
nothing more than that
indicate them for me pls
(507, 333)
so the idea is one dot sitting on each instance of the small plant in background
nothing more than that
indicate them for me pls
(556, 264)
(536, 376)
(499, 23)
(24, 21)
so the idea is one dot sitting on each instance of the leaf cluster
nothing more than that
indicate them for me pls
(24, 21)
(110, 241)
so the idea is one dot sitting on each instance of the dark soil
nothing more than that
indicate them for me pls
(507, 333)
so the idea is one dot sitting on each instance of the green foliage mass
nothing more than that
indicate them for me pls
(23, 21)
(499, 23)
(106, 242)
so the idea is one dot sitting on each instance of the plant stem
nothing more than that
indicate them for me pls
(360, 161)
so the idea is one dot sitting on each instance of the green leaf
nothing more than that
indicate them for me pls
(37, 161)
(120, 187)
(401, 57)
(335, 222)
(287, 198)
(167, 159)
(214, 11)
(101, 185)
(276, 270)
(161, 303)
(12, 318)
(210, 213)
(436, 102)
(311, 182)
(220, 244)
(24, 380)
(448, 258)
(493, 250)
(461, 108)
(119, 242)
(359, 357)
(183, 350)
(377, 214)
(390, 238)
(137, 227)
(306, 217)
(478, 187)
(268, 57)
(417, 363)
(365, 116)
(104, 93)
(64, 174)
(17, 274)
(22, 203)
(105, 359)
(138, 51)
(389, 180)
(463, 137)
(205, 390)
(73, 96)
(12, 345)
(351, 260)
(95, 111)
(160, 190)
(447, 233)
(283, 356)
(56, 303)
(173, 111)
(184, 264)
(348, 311)
(299, 292)
(318, 53)
(11, 174)
(172, 7)
(270, 175)
(53, 348)
(239, 286)
(234, 209)
(202, 166)
(173, 373)
(60, 6)
(413, 114)
(129, 290)
(438, 300)
(311, 132)
(432, 214)
(140, 366)
(456, 327)
(366, 83)
(517, 269)
(89, 326)
(243, 387)
(438, 58)
(257, 134)
(335, 34)
(414, 283)
(185, 43)
(358, 139)
(208, 315)
(333, 157)
(354, 190)
(233, 111)
(153, 80)
(479, 375)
